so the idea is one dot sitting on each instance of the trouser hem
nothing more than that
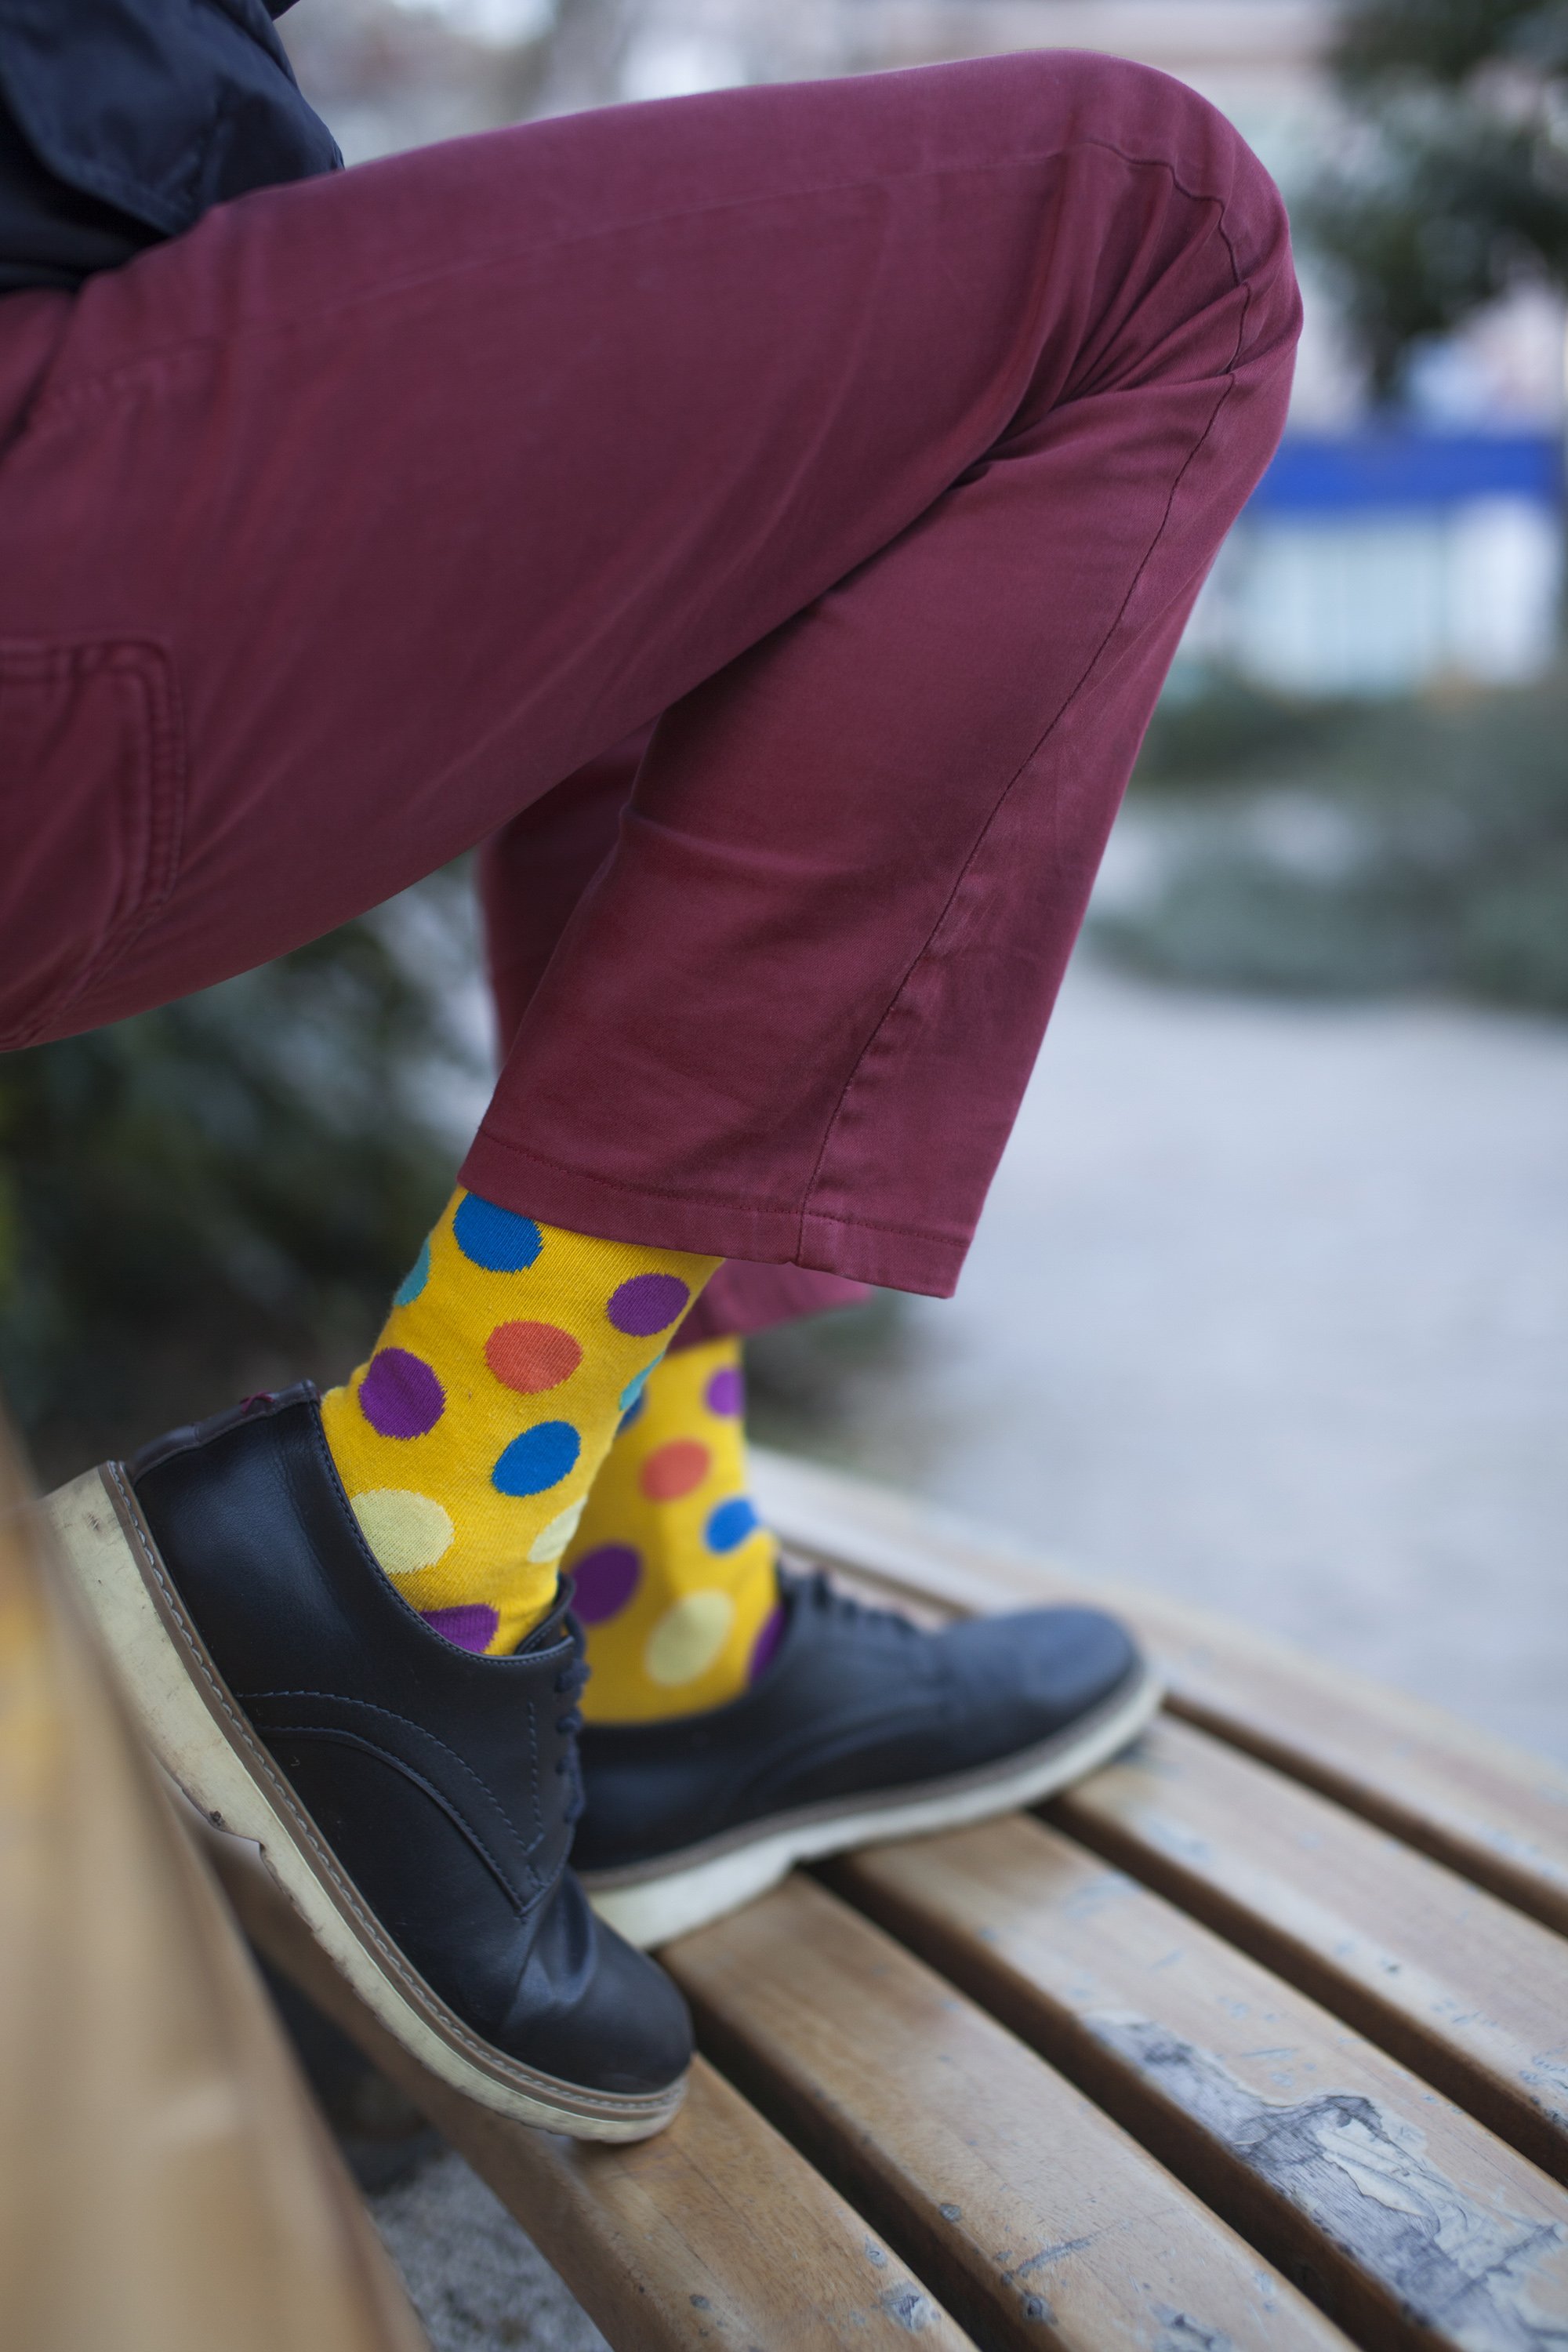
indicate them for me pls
(892, 1258)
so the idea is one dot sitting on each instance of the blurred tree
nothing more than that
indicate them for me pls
(1455, 186)
(224, 1191)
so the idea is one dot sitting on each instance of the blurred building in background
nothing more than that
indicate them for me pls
(1374, 563)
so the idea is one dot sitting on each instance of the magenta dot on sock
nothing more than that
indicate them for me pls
(726, 1391)
(764, 1645)
(471, 1628)
(647, 1303)
(400, 1395)
(605, 1581)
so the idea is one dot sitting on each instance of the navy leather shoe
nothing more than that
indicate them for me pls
(415, 1801)
(863, 1727)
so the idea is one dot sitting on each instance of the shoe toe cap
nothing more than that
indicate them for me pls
(593, 2011)
(1054, 1663)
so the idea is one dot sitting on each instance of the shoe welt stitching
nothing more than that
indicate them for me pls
(338, 1884)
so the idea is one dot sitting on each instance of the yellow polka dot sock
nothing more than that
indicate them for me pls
(677, 1579)
(468, 1444)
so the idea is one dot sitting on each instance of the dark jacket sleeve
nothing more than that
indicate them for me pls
(158, 108)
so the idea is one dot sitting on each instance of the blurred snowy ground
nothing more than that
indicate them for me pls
(1269, 1311)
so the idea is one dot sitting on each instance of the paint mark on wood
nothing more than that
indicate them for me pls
(1363, 2178)
(907, 2307)
(1049, 2254)
(1179, 2332)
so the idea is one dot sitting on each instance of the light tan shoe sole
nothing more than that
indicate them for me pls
(650, 1903)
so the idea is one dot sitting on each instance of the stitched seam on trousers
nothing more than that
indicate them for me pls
(1005, 793)
(788, 1208)
(633, 1191)
(166, 816)
(150, 672)
(880, 1225)
(51, 405)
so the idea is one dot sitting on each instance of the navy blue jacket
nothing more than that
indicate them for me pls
(122, 121)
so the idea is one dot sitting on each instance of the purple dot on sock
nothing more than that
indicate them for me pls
(400, 1395)
(766, 1643)
(471, 1628)
(647, 1303)
(606, 1580)
(726, 1393)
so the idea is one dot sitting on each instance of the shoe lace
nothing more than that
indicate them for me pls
(821, 1592)
(569, 1685)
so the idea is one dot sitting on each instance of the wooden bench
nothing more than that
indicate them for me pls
(165, 2183)
(1260, 2038)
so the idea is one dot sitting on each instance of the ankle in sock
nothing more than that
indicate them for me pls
(468, 1444)
(677, 1579)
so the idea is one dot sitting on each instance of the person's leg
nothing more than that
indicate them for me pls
(878, 436)
(876, 433)
(532, 873)
(674, 1579)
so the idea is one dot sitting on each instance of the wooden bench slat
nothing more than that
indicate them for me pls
(1494, 1812)
(1025, 2208)
(717, 2233)
(165, 2182)
(1467, 1991)
(1407, 2221)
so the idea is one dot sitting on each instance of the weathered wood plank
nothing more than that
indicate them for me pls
(1032, 2215)
(1467, 1991)
(165, 2185)
(716, 2233)
(1406, 2220)
(1494, 1812)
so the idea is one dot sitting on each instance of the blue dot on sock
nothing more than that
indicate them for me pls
(540, 1458)
(731, 1524)
(495, 1238)
(415, 1280)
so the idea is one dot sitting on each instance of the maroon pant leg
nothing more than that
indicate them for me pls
(878, 433)
(531, 875)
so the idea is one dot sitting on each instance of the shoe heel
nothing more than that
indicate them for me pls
(112, 1567)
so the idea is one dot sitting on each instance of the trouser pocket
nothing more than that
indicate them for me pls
(91, 793)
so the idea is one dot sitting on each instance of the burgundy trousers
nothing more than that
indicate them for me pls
(867, 441)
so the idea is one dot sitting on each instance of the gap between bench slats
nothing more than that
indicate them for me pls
(1407, 2221)
(1467, 1991)
(716, 2233)
(1024, 2207)
(1494, 1812)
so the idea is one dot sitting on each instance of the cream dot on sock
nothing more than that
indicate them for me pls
(406, 1530)
(688, 1638)
(553, 1538)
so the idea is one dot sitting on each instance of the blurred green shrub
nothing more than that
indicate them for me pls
(1455, 188)
(218, 1194)
(1412, 844)
(1210, 726)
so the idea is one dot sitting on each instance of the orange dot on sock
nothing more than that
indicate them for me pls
(531, 1356)
(674, 1470)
